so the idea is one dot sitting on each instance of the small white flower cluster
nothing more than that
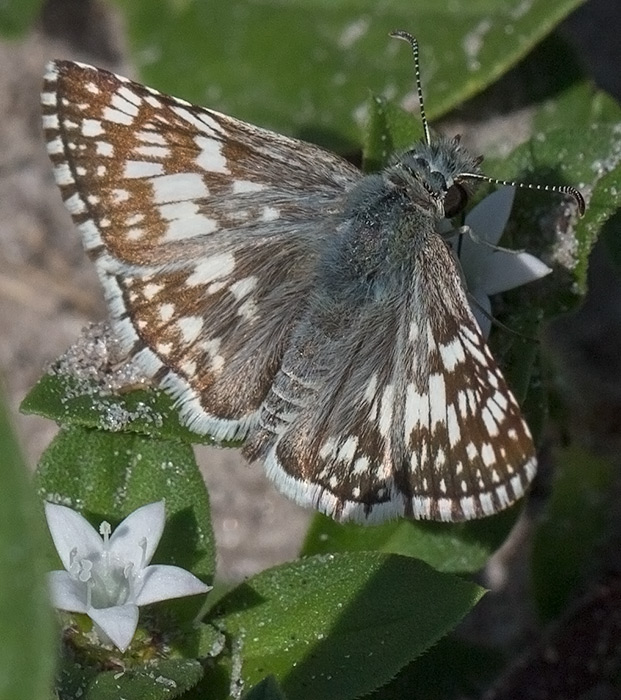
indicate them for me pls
(109, 576)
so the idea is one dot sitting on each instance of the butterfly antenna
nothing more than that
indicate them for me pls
(419, 88)
(563, 189)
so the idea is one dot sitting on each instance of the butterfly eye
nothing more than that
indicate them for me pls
(455, 200)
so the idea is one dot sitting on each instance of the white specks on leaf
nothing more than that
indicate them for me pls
(473, 41)
(353, 32)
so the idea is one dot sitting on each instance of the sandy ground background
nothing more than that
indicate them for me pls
(48, 290)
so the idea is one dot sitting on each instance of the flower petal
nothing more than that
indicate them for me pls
(118, 623)
(491, 214)
(506, 269)
(66, 593)
(145, 524)
(161, 582)
(487, 221)
(71, 531)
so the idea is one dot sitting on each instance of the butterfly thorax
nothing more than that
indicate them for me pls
(387, 240)
(377, 240)
(390, 218)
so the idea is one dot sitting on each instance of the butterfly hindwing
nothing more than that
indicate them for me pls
(394, 406)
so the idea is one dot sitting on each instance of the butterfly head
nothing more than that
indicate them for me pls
(440, 176)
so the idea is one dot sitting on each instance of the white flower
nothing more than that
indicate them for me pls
(488, 269)
(109, 577)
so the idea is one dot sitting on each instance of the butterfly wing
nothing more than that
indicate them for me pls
(204, 230)
(394, 406)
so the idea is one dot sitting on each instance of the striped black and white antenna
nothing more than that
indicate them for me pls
(561, 189)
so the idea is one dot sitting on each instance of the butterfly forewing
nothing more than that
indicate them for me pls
(282, 297)
(194, 222)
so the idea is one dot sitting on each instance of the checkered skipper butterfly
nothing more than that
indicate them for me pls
(283, 297)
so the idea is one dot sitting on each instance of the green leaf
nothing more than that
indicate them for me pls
(202, 641)
(603, 214)
(215, 683)
(611, 239)
(107, 475)
(569, 540)
(579, 106)
(72, 401)
(457, 548)
(340, 625)
(159, 680)
(72, 680)
(587, 158)
(27, 649)
(267, 689)
(16, 16)
(450, 670)
(308, 69)
(389, 130)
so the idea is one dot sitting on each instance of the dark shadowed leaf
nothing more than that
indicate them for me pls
(340, 625)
